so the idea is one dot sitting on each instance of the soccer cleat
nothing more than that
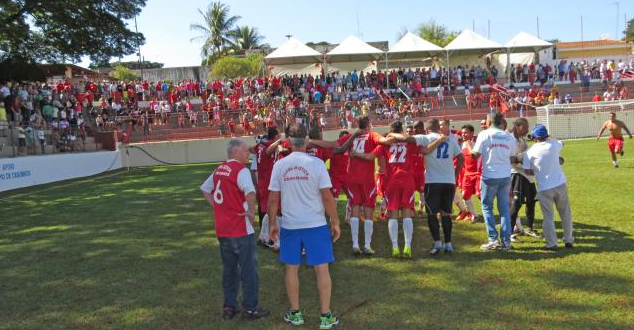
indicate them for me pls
(569, 245)
(506, 247)
(294, 317)
(616, 165)
(448, 248)
(515, 238)
(396, 253)
(407, 252)
(462, 216)
(490, 246)
(435, 249)
(255, 314)
(531, 233)
(328, 321)
(553, 248)
(356, 251)
(228, 313)
(368, 251)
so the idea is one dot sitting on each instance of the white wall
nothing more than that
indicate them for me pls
(29, 171)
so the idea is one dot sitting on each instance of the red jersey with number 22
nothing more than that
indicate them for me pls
(401, 159)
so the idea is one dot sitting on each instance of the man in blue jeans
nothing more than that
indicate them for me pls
(231, 192)
(498, 150)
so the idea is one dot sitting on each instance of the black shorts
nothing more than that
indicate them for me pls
(439, 197)
(523, 190)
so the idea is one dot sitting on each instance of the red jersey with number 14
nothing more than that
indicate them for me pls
(229, 201)
(401, 159)
(359, 170)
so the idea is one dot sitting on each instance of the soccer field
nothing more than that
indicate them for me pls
(136, 250)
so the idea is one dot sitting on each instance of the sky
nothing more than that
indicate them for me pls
(166, 24)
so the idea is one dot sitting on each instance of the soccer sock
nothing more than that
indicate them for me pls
(471, 206)
(264, 228)
(392, 227)
(408, 231)
(446, 228)
(368, 226)
(354, 230)
(457, 199)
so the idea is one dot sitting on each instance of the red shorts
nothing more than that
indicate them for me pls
(615, 145)
(400, 198)
(338, 185)
(470, 185)
(419, 181)
(263, 192)
(362, 194)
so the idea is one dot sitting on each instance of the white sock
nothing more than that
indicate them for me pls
(368, 226)
(457, 199)
(615, 162)
(392, 227)
(264, 229)
(408, 231)
(354, 230)
(471, 206)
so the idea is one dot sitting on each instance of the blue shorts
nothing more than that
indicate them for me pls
(316, 241)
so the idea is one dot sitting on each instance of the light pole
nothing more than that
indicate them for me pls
(616, 31)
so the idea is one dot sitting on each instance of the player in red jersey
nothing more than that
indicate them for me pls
(265, 161)
(360, 180)
(398, 161)
(458, 200)
(419, 167)
(615, 142)
(314, 134)
(230, 190)
(470, 184)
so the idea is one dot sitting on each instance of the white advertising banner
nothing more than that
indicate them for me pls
(29, 171)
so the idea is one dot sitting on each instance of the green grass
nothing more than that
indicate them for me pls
(136, 250)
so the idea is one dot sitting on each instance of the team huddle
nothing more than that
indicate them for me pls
(435, 165)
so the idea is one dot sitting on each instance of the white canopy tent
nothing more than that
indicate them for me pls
(468, 45)
(353, 54)
(412, 46)
(526, 43)
(294, 57)
(521, 49)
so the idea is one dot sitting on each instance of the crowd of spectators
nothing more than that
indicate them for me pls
(256, 103)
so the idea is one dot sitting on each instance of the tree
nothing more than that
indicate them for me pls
(134, 65)
(120, 72)
(217, 29)
(57, 31)
(231, 67)
(629, 31)
(246, 37)
(436, 33)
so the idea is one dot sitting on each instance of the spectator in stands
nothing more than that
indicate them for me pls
(4, 124)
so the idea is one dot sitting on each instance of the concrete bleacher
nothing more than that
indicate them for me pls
(454, 108)
(10, 146)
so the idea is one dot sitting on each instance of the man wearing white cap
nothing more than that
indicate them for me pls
(543, 160)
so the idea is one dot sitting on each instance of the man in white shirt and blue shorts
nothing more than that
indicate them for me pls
(302, 185)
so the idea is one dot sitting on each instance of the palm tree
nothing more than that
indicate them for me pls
(217, 29)
(246, 37)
